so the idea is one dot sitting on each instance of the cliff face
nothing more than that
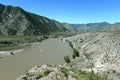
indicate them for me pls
(16, 21)
(99, 51)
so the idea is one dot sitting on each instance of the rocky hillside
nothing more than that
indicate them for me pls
(57, 72)
(16, 21)
(99, 51)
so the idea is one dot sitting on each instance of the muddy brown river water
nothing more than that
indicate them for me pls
(51, 51)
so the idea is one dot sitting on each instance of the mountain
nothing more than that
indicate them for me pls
(94, 27)
(91, 27)
(16, 21)
(70, 27)
(114, 27)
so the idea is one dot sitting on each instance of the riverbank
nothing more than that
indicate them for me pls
(16, 42)
(50, 51)
(11, 45)
(15, 50)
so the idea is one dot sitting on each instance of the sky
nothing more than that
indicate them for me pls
(72, 11)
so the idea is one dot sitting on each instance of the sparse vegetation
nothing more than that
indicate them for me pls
(46, 72)
(89, 56)
(9, 42)
(39, 76)
(63, 73)
(75, 52)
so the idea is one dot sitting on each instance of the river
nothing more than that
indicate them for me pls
(50, 51)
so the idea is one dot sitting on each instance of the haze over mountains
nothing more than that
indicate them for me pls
(16, 21)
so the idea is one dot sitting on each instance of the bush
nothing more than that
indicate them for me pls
(25, 78)
(65, 71)
(6, 42)
(108, 72)
(38, 77)
(73, 56)
(47, 72)
(70, 44)
(75, 53)
(114, 71)
(67, 59)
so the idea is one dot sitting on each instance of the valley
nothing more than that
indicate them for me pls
(34, 47)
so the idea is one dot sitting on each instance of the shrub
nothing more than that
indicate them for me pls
(73, 56)
(65, 71)
(108, 72)
(114, 71)
(75, 53)
(67, 59)
(25, 78)
(47, 72)
(38, 77)
(70, 44)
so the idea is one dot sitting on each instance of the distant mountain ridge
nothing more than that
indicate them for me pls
(93, 27)
(114, 27)
(16, 21)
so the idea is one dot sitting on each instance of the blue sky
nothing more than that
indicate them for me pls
(72, 11)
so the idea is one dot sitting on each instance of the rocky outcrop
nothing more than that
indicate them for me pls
(48, 72)
(57, 72)
(99, 51)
